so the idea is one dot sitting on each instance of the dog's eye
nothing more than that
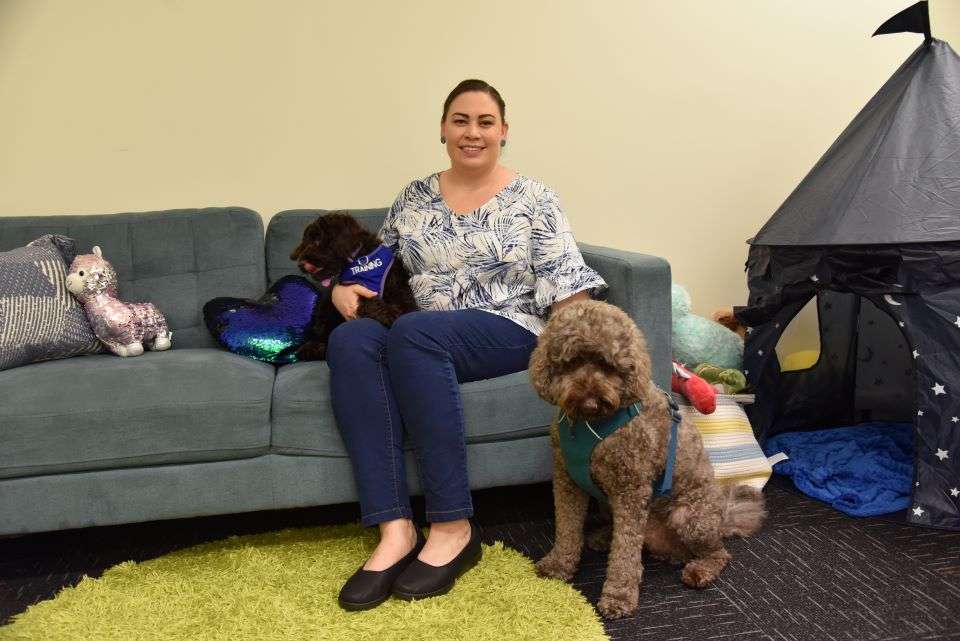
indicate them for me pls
(80, 273)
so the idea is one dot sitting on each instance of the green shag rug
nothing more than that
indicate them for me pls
(284, 585)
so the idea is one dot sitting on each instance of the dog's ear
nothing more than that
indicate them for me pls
(539, 371)
(633, 361)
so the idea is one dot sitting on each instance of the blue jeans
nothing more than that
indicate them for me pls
(406, 379)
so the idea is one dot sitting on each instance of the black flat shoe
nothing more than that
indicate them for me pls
(421, 580)
(369, 588)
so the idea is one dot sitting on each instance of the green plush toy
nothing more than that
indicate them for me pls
(699, 340)
(729, 381)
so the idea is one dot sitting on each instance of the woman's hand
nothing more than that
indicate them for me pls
(346, 298)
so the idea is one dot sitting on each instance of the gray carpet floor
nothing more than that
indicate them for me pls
(810, 574)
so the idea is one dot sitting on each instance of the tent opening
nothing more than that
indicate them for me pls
(863, 370)
(799, 345)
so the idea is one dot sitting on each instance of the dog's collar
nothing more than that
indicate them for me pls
(604, 428)
(579, 439)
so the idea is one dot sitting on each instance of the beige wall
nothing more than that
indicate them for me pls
(674, 128)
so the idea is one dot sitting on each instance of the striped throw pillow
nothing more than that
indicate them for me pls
(39, 319)
(729, 441)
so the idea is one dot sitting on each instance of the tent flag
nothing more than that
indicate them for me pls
(915, 19)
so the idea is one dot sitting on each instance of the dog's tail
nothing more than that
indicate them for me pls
(743, 511)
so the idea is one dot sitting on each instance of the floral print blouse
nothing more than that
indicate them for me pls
(514, 256)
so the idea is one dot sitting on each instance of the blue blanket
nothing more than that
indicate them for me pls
(861, 471)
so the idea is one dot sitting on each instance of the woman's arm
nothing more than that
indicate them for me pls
(569, 299)
(562, 276)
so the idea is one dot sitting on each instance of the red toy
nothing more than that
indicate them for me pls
(701, 394)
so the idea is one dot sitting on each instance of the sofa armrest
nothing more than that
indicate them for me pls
(640, 286)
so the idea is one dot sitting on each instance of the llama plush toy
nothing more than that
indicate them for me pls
(122, 327)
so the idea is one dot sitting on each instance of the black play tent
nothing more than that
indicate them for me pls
(872, 233)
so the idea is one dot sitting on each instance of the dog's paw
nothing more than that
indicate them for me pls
(599, 539)
(618, 602)
(553, 567)
(701, 573)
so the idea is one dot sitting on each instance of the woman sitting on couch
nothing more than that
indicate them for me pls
(490, 254)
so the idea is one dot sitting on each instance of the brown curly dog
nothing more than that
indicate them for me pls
(590, 361)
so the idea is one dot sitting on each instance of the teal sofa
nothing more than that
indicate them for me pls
(100, 440)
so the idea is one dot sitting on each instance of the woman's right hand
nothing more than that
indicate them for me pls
(346, 298)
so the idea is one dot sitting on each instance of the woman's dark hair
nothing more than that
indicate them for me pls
(475, 85)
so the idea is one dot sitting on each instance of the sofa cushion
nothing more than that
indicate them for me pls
(176, 259)
(286, 229)
(495, 409)
(39, 319)
(104, 412)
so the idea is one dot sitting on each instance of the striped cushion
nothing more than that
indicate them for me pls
(729, 441)
(39, 319)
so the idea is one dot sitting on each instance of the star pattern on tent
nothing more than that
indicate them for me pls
(749, 330)
(958, 321)
(815, 279)
(760, 352)
(942, 454)
(938, 389)
(919, 412)
(955, 419)
(918, 511)
(902, 324)
(954, 491)
(916, 353)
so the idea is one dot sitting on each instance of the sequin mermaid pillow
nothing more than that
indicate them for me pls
(39, 319)
(269, 329)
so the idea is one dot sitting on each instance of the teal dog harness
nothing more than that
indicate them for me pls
(578, 439)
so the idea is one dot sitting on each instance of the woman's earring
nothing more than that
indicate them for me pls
(443, 140)
(503, 143)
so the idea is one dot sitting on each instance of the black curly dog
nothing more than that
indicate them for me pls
(329, 244)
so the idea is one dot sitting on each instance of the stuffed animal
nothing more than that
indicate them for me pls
(701, 394)
(726, 317)
(727, 381)
(700, 340)
(123, 327)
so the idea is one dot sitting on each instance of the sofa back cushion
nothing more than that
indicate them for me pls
(639, 284)
(176, 259)
(286, 228)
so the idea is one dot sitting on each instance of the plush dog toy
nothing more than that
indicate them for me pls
(699, 340)
(701, 394)
(123, 327)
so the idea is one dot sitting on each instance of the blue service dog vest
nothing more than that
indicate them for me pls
(578, 439)
(370, 270)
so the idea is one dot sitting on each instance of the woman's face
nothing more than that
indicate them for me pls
(473, 129)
